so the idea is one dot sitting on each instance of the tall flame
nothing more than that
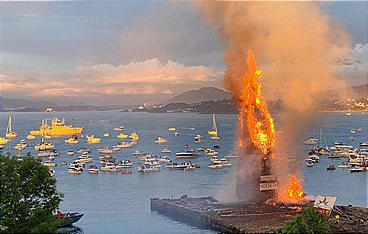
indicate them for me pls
(260, 124)
(294, 189)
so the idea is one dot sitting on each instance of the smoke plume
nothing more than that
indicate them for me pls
(294, 44)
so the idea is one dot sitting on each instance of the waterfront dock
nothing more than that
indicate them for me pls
(206, 212)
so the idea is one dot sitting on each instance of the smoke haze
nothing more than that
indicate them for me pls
(294, 44)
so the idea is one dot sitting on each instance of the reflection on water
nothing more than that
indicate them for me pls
(116, 203)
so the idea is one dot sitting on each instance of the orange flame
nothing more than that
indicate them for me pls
(294, 189)
(260, 124)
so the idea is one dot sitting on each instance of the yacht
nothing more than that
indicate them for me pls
(145, 168)
(187, 154)
(107, 166)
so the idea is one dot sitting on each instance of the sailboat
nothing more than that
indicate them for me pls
(214, 131)
(9, 132)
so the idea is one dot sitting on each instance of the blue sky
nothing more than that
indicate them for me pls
(144, 50)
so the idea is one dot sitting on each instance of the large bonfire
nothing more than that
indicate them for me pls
(257, 137)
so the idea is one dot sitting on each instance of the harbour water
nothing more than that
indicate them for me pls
(116, 203)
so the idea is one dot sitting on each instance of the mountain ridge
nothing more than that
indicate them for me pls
(200, 95)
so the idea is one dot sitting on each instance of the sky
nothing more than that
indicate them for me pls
(122, 53)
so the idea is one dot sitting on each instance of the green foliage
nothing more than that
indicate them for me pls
(309, 221)
(28, 197)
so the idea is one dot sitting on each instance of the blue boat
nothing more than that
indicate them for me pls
(70, 218)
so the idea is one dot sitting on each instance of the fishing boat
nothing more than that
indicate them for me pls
(72, 140)
(213, 131)
(160, 140)
(30, 137)
(9, 132)
(3, 141)
(69, 218)
(134, 136)
(122, 136)
(57, 128)
(92, 139)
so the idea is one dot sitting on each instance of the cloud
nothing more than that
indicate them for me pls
(145, 77)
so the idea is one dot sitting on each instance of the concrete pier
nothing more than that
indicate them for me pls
(206, 212)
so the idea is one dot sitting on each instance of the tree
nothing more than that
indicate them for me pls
(28, 197)
(309, 221)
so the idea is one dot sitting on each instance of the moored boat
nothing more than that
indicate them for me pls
(57, 128)
(92, 139)
(9, 132)
(187, 154)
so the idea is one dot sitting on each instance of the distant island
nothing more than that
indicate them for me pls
(203, 100)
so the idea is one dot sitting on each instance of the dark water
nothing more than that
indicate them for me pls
(116, 203)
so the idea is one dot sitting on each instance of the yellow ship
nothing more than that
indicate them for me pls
(57, 128)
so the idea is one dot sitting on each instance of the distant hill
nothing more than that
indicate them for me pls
(359, 91)
(200, 95)
(9, 103)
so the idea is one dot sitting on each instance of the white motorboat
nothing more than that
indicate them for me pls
(107, 167)
(51, 172)
(49, 164)
(146, 168)
(311, 141)
(74, 171)
(105, 150)
(125, 164)
(43, 153)
(166, 151)
(216, 165)
(357, 169)
(126, 144)
(344, 165)
(211, 152)
(164, 159)
(93, 169)
(83, 159)
(187, 154)
(70, 152)
(84, 150)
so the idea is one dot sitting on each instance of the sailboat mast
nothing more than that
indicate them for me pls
(9, 128)
(214, 126)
